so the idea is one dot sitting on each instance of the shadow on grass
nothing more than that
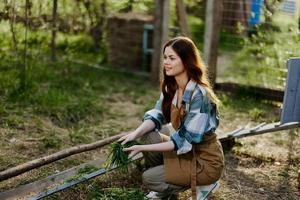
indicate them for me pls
(246, 186)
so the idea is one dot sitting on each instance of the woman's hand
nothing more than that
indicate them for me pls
(135, 149)
(127, 138)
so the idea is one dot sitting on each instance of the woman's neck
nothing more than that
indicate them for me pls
(182, 81)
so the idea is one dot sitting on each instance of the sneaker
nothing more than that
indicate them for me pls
(204, 190)
(153, 195)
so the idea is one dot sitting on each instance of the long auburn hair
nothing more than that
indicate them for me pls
(195, 68)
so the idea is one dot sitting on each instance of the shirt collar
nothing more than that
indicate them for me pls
(188, 92)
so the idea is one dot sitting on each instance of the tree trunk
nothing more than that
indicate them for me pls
(53, 43)
(182, 18)
(14, 171)
(161, 25)
(10, 9)
(97, 27)
(211, 36)
(23, 74)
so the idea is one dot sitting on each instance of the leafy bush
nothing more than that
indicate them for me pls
(75, 44)
(262, 61)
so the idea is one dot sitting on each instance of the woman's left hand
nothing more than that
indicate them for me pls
(135, 149)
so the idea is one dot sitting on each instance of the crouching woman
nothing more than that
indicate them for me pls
(186, 152)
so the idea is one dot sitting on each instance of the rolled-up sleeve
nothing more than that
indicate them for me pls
(156, 114)
(196, 124)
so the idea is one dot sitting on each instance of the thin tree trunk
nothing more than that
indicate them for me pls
(87, 5)
(12, 19)
(97, 30)
(161, 25)
(211, 37)
(53, 43)
(23, 82)
(14, 171)
(182, 18)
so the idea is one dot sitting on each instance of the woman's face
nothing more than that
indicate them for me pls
(172, 63)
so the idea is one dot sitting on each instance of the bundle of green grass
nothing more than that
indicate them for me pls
(118, 157)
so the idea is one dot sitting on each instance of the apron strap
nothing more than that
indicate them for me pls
(194, 175)
(194, 159)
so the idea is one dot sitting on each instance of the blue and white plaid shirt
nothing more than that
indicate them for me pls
(201, 117)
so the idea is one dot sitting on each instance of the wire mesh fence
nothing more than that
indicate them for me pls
(256, 39)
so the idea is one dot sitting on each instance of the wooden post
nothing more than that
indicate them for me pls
(161, 25)
(182, 18)
(211, 36)
(53, 44)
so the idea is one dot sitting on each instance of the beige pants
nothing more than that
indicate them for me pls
(154, 177)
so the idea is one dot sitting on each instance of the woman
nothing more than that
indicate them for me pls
(191, 153)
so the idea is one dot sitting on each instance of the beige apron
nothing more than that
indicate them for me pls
(201, 166)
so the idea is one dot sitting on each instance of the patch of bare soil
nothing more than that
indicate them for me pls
(260, 167)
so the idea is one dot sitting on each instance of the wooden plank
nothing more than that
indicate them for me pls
(291, 102)
(57, 182)
(84, 178)
(41, 185)
(268, 128)
(53, 31)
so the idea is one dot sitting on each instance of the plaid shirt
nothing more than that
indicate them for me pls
(201, 117)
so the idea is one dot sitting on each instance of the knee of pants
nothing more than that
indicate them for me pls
(151, 138)
(146, 177)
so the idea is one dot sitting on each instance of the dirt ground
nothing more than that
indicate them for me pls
(262, 167)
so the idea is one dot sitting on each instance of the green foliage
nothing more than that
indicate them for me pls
(197, 30)
(230, 42)
(2, 108)
(71, 44)
(14, 121)
(131, 5)
(52, 141)
(256, 114)
(118, 157)
(262, 60)
(83, 171)
(116, 194)
(243, 103)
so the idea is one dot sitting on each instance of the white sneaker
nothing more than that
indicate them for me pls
(153, 195)
(204, 190)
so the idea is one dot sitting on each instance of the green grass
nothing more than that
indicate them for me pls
(262, 59)
(64, 105)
